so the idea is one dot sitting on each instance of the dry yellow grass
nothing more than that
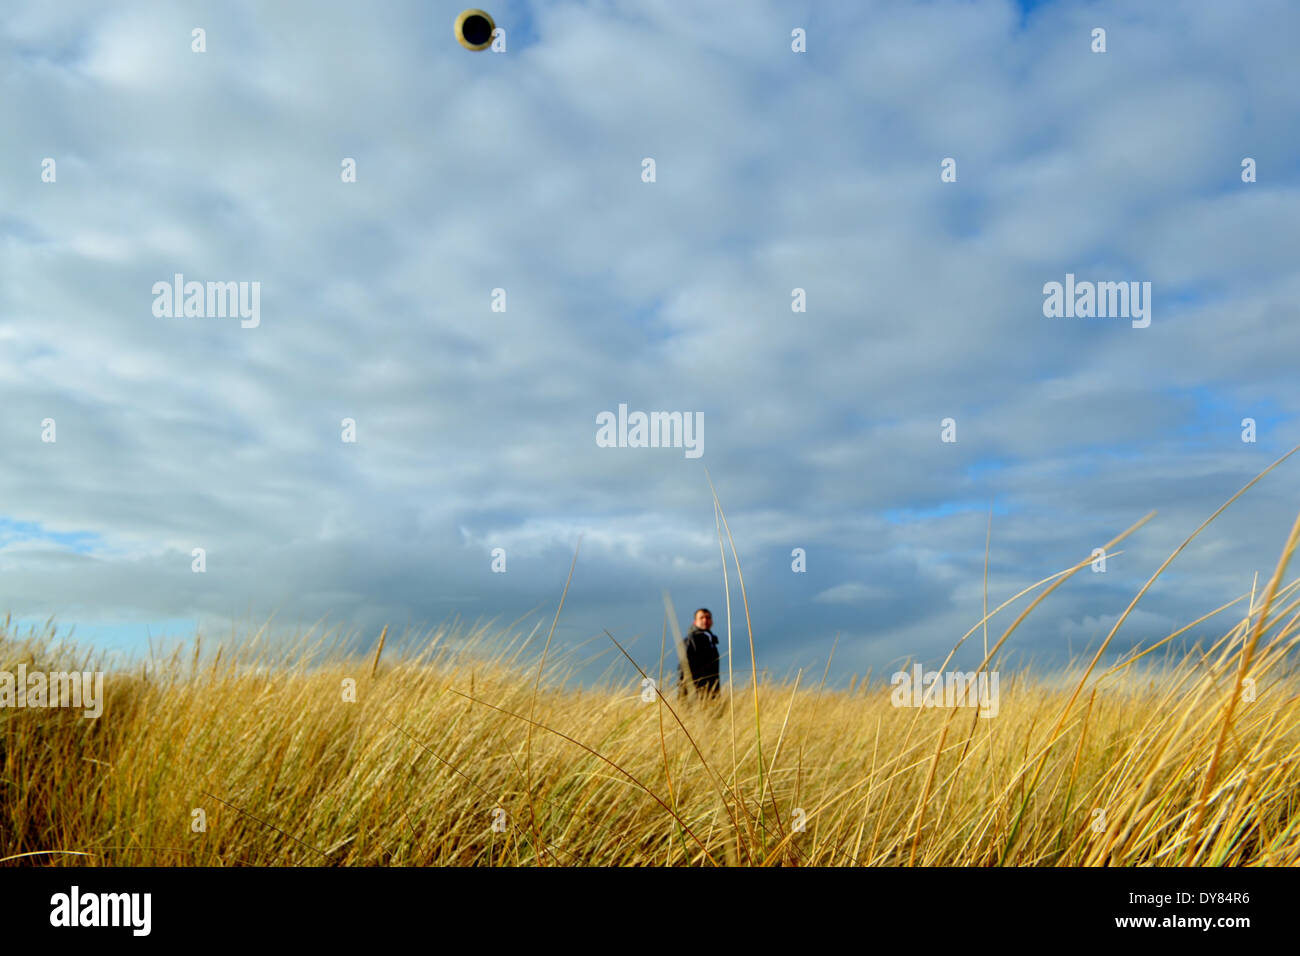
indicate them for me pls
(1149, 762)
(288, 772)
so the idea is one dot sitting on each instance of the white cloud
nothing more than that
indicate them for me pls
(522, 171)
(852, 592)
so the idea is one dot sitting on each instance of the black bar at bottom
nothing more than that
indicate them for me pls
(497, 906)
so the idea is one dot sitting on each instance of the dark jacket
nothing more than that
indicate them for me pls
(702, 657)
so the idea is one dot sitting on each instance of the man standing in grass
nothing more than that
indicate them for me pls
(701, 657)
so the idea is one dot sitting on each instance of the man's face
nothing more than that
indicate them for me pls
(704, 620)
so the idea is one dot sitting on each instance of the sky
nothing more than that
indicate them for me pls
(523, 171)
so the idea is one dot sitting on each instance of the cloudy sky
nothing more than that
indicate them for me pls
(522, 171)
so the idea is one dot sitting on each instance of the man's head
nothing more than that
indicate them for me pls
(704, 619)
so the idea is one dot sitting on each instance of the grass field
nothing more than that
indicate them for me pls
(469, 752)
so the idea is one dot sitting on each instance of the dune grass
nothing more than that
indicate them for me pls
(464, 751)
